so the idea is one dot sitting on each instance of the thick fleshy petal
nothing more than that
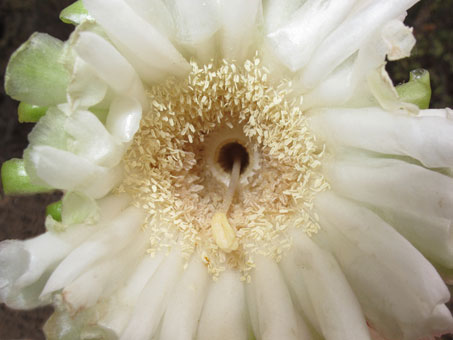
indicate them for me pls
(103, 243)
(337, 310)
(224, 312)
(296, 41)
(400, 291)
(272, 312)
(138, 37)
(427, 139)
(123, 119)
(184, 306)
(115, 70)
(153, 300)
(239, 20)
(393, 184)
(348, 37)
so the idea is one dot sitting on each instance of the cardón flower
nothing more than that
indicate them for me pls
(232, 170)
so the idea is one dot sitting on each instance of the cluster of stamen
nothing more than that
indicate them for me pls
(168, 172)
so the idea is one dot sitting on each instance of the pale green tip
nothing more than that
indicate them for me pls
(54, 210)
(417, 90)
(30, 113)
(74, 14)
(15, 179)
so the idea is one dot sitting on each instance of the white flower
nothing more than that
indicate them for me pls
(232, 169)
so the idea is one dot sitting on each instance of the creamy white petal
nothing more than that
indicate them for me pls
(432, 235)
(298, 288)
(123, 119)
(138, 36)
(399, 39)
(277, 12)
(103, 243)
(91, 140)
(123, 302)
(184, 307)
(115, 70)
(400, 291)
(296, 41)
(85, 89)
(272, 312)
(349, 36)
(104, 277)
(239, 20)
(156, 13)
(394, 184)
(337, 309)
(154, 298)
(224, 315)
(65, 170)
(428, 139)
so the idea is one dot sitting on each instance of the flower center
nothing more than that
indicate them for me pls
(224, 164)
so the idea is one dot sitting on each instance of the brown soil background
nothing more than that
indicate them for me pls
(23, 217)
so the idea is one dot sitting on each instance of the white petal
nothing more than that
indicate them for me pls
(224, 312)
(123, 120)
(239, 20)
(110, 66)
(399, 39)
(104, 277)
(64, 170)
(337, 309)
(122, 304)
(349, 36)
(138, 36)
(432, 235)
(156, 13)
(400, 291)
(277, 12)
(85, 88)
(184, 307)
(272, 312)
(428, 139)
(393, 184)
(296, 41)
(151, 304)
(91, 140)
(103, 243)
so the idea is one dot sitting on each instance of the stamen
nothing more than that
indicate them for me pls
(224, 234)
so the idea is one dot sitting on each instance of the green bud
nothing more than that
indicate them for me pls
(30, 113)
(54, 210)
(74, 14)
(417, 90)
(16, 181)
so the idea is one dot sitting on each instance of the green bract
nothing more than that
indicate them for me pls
(30, 113)
(36, 74)
(16, 180)
(418, 90)
(54, 210)
(74, 14)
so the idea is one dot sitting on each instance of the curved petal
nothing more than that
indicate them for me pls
(272, 312)
(153, 300)
(103, 243)
(393, 184)
(400, 291)
(337, 309)
(115, 70)
(138, 36)
(428, 139)
(184, 307)
(123, 119)
(224, 311)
